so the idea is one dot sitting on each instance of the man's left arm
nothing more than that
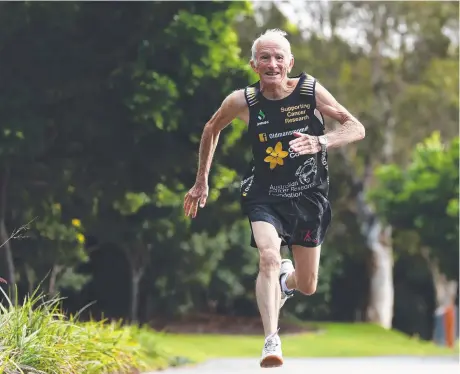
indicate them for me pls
(349, 130)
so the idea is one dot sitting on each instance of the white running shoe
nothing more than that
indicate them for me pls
(272, 355)
(286, 268)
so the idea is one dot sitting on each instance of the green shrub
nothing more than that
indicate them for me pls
(36, 337)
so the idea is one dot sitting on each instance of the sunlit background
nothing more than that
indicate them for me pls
(102, 108)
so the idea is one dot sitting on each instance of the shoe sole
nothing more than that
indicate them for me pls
(271, 362)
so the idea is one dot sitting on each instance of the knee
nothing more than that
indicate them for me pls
(270, 260)
(307, 284)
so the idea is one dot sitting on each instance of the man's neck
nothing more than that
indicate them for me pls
(278, 91)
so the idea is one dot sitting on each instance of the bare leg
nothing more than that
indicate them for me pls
(267, 285)
(305, 277)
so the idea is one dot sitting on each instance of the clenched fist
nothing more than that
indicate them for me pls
(305, 144)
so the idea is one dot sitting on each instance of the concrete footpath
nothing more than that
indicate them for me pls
(368, 365)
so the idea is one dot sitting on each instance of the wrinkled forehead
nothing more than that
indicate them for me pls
(273, 46)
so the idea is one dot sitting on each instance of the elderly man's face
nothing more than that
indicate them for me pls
(273, 61)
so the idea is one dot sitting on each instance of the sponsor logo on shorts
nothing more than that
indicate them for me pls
(308, 236)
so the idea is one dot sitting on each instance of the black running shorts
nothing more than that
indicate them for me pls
(300, 221)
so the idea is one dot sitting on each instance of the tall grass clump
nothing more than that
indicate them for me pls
(37, 337)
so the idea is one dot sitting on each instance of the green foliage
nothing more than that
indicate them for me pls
(423, 197)
(38, 337)
(67, 239)
(104, 109)
(59, 246)
(125, 101)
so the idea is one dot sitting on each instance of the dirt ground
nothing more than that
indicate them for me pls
(219, 324)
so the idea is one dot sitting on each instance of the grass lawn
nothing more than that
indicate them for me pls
(38, 337)
(335, 340)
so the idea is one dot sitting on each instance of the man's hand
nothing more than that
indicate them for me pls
(305, 144)
(197, 195)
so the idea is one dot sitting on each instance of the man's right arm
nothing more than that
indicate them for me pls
(232, 107)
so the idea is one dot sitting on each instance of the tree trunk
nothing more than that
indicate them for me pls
(138, 258)
(378, 235)
(135, 283)
(30, 276)
(445, 295)
(378, 239)
(375, 232)
(52, 290)
(381, 295)
(5, 237)
(445, 289)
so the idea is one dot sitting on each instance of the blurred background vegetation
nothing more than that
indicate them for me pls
(102, 108)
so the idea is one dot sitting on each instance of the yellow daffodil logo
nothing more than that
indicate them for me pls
(275, 156)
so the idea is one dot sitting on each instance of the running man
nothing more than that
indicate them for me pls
(284, 193)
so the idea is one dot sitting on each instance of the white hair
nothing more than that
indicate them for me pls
(272, 35)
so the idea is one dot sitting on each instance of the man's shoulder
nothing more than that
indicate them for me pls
(237, 95)
(302, 75)
(307, 75)
(238, 92)
(308, 79)
(236, 99)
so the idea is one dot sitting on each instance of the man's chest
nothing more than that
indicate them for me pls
(281, 118)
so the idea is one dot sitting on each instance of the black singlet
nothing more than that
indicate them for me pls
(276, 173)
